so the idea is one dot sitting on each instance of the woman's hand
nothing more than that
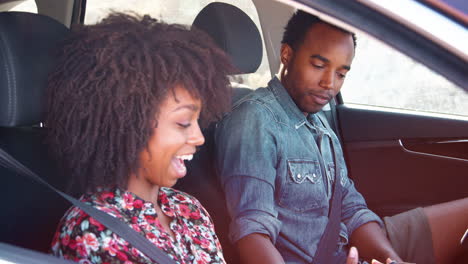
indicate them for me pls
(353, 256)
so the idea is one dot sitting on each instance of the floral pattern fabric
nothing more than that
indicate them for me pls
(83, 239)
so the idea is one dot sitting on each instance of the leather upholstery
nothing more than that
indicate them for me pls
(27, 42)
(31, 212)
(234, 32)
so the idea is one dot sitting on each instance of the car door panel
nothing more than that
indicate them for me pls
(401, 160)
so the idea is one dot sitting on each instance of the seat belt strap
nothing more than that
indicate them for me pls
(335, 124)
(328, 242)
(114, 224)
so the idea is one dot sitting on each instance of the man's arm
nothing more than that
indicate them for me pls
(363, 225)
(246, 155)
(372, 243)
(258, 249)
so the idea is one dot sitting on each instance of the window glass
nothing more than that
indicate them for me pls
(26, 6)
(381, 76)
(181, 12)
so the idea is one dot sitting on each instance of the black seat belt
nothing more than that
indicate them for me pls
(328, 241)
(114, 224)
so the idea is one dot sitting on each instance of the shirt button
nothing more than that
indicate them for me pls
(343, 181)
(313, 178)
(299, 176)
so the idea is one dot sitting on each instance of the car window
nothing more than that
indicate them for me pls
(382, 76)
(25, 6)
(181, 12)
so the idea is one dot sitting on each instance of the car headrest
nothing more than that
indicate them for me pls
(234, 32)
(27, 45)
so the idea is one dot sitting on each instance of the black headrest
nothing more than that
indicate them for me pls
(27, 45)
(234, 32)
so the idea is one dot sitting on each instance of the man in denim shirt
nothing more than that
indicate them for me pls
(275, 158)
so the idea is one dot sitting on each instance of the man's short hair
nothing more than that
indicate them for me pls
(299, 24)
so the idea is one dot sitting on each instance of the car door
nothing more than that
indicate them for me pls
(401, 160)
(404, 130)
(402, 114)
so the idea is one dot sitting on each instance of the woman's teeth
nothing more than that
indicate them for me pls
(185, 157)
(179, 165)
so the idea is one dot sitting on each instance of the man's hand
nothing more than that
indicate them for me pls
(372, 243)
(389, 261)
(353, 258)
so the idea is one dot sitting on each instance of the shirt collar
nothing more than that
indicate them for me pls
(287, 103)
(132, 205)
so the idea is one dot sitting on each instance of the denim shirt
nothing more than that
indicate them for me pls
(277, 179)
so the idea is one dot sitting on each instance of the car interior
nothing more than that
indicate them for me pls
(398, 160)
(23, 82)
(23, 138)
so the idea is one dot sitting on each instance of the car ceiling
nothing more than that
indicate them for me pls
(6, 5)
(61, 10)
(273, 16)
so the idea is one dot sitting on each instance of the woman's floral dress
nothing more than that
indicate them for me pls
(82, 239)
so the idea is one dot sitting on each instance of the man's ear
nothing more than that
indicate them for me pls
(286, 54)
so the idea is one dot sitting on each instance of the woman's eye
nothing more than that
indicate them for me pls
(184, 125)
(341, 75)
(318, 66)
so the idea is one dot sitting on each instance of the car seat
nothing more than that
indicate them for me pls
(27, 41)
(239, 37)
(30, 212)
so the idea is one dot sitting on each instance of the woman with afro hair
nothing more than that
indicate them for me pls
(123, 106)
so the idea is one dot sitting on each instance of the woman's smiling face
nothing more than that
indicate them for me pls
(174, 140)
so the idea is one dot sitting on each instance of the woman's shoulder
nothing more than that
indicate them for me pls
(77, 221)
(106, 200)
(79, 236)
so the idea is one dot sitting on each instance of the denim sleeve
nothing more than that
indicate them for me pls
(354, 209)
(246, 157)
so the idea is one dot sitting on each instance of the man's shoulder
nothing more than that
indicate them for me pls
(259, 102)
(260, 95)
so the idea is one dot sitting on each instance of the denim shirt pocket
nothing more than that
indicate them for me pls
(304, 188)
